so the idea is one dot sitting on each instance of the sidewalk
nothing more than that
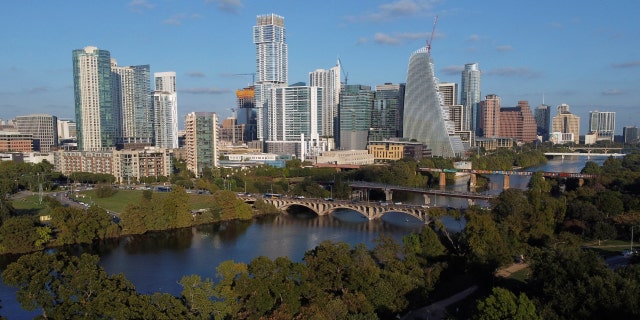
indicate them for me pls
(438, 310)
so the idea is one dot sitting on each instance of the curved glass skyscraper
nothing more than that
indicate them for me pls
(470, 98)
(426, 118)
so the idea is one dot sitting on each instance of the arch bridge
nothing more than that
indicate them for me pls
(370, 210)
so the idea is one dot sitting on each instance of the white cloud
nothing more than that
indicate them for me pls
(504, 48)
(396, 10)
(140, 5)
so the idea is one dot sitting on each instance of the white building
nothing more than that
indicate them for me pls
(272, 65)
(329, 81)
(603, 124)
(346, 157)
(165, 110)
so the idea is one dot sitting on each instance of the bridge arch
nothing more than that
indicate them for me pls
(368, 210)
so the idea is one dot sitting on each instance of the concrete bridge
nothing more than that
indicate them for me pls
(388, 191)
(370, 210)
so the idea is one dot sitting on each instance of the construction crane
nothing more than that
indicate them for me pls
(346, 74)
(253, 76)
(433, 31)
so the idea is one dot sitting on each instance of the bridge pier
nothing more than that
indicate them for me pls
(473, 180)
(443, 179)
(388, 195)
(506, 182)
(427, 199)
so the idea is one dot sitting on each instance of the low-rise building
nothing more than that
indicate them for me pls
(15, 142)
(351, 157)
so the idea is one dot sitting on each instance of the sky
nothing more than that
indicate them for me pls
(582, 53)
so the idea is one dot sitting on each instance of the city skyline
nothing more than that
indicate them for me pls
(547, 51)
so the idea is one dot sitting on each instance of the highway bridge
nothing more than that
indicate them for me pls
(388, 190)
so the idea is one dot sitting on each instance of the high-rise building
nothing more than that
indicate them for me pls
(165, 110)
(295, 114)
(543, 121)
(603, 124)
(566, 122)
(96, 115)
(246, 113)
(449, 92)
(354, 114)
(386, 115)
(131, 95)
(518, 123)
(490, 116)
(470, 97)
(42, 127)
(271, 63)
(631, 134)
(426, 118)
(329, 81)
(201, 141)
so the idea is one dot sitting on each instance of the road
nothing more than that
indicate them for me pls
(438, 310)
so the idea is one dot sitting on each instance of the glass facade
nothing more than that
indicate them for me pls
(294, 112)
(271, 62)
(356, 105)
(96, 116)
(132, 96)
(386, 115)
(470, 98)
(201, 141)
(426, 118)
(602, 123)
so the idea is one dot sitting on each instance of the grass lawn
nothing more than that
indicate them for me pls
(521, 275)
(122, 198)
(608, 248)
(29, 205)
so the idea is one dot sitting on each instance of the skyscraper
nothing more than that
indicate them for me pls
(43, 128)
(566, 122)
(602, 123)
(201, 141)
(246, 113)
(386, 115)
(518, 123)
(165, 110)
(543, 120)
(356, 102)
(490, 116)
(449, 92)
(426, 118)
(271, 62)
(131, 87)
(294, 120)
(329, 81)
(470, 97)
(96, 115)
(631, 134)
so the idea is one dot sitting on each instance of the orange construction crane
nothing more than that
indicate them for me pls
(433, 31)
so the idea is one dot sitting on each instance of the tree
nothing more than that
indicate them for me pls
(484, 241)
(66, 287)
(198, 296)
(20, 235)
(503, 304)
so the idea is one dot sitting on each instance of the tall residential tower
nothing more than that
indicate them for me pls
(470, 98)
(271, 63)
(96, 115)
(426, 118)
(165, 110)
(329, 81)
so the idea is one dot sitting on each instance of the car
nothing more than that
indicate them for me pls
(328, 199)
(398, 203)
(298, 197)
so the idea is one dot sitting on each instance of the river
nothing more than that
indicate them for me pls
(155, 262)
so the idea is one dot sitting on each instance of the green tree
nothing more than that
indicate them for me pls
(20, 235)
(67, 287)
(503, 304)
(484, 241)
(198, 295)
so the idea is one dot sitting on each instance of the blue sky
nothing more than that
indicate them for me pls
(583, 53)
